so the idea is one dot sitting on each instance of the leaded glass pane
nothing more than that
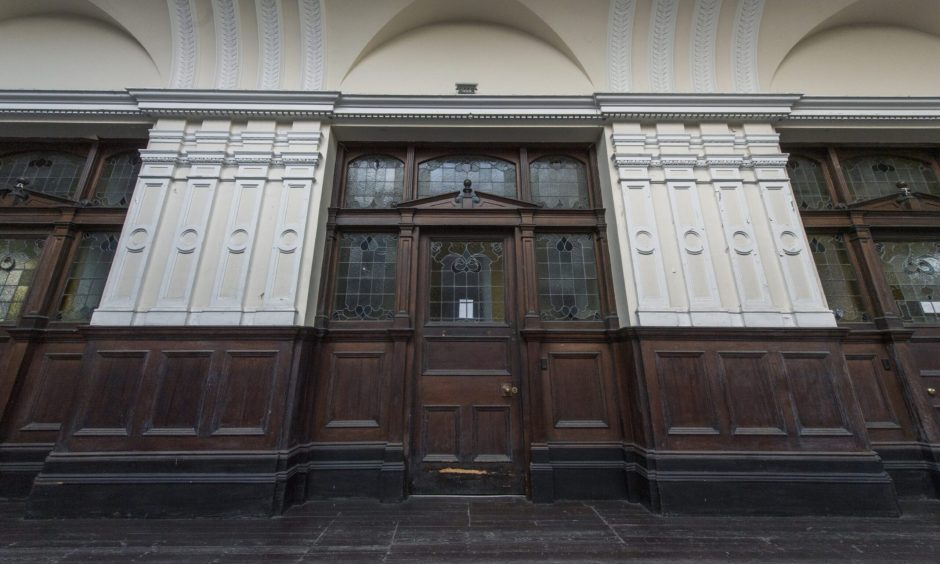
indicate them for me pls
(18, 261)
(874, 177)
(48, 172)
(567, 277)
(912, 270)
(559, 182)
(493, 176)
(374, 181)
(837, 274)
(467, 281)
(809, 184)
(365, 276)
(87, 276)
(116, 183)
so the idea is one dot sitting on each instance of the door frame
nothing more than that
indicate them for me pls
(513, 290)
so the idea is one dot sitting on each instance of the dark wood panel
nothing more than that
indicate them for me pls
(355, 390)
(476, 355)
(245, 387)
(492, 433)
(865, 371)
(441, 432)
(816, 402)
(752, 406)
(685, 393)
(55, 392)
(577, 390)
(182, 382)
(115, 378)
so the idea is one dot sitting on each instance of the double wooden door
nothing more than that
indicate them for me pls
(467, 422)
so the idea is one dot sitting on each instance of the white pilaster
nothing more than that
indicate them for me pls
(219, 231)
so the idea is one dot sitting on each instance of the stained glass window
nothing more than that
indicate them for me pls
(567, 277)
(116, 183)
(48, 172)
(493, 176)
(467, 281)
(18, 261)
(87, 276)
(374, 181)
(809, 184)
(874, 177)
(559, 182)
(365, 276)
(837, 274)
(912, 270)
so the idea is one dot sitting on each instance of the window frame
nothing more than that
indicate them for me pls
(61, 224)
(865, 223)
(589, 220)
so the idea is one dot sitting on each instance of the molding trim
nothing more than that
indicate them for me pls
(184, 43)
(704, 44)
(142, 105)
(662, 45)
(246, 103)
(311, 15)
(744, 38)
(270, 42)
(620, 45)
(226, 37)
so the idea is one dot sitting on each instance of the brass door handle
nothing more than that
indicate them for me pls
(931, 391)
(509, 390)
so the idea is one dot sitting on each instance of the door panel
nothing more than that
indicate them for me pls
(468, 439)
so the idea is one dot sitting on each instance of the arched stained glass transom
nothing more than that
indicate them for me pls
(115, 185)
(872, 177)
(447, 174)
(559, 182)
(809, 184)
(374, 181)
(50, 172)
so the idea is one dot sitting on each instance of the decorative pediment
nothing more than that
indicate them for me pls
(467, 199)
(26, 198)
(908, 201)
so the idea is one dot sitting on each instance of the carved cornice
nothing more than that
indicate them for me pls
(662, 44)
(781, 109)
(240, 103)
(184, 43)
(619, 44)
(704, 45)
(698, 107)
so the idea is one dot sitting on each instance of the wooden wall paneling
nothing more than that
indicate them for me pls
(354, 389)
(878, 394)
(577, 390)
(44, 392)
(114, 378)
(685, 393)
(748, 384)
(182, 381)
(816, 400)
(354, 396)
(13, 364)
(918, 363)
(243, 403)
(50, 400)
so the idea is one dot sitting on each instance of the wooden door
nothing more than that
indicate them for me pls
(467, 423)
